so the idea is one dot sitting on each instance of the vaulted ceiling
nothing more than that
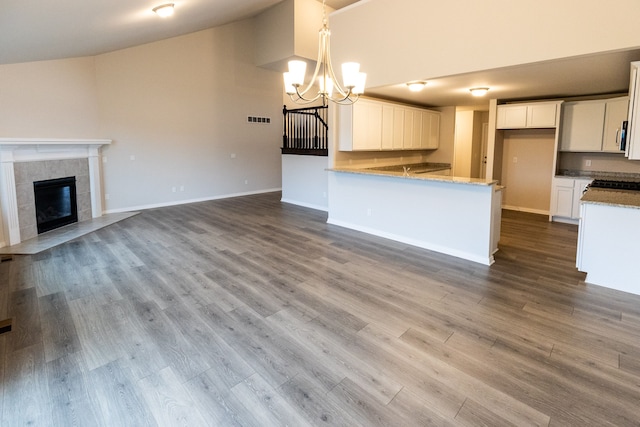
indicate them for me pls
(34, 30)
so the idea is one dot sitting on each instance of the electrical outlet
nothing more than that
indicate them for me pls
(246, 181)
(173, 189)
(369, 212)
(515, 160)
(104, 159)
(106, 196)
(233, 155)
(587, 162)
(182, 188)
(132, 157)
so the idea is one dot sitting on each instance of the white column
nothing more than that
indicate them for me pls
(95, 181)
(8, 199)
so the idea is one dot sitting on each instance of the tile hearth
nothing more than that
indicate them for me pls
(61, 235)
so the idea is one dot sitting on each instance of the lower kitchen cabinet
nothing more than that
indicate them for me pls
(565, 198)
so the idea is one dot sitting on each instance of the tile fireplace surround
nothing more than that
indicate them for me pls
(23, 161)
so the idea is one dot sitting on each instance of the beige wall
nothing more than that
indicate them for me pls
(427, 38)
(599, 162)
(527, 180)
(178, 107)
(49, 99)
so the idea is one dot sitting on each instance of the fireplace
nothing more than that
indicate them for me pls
(56, 203)
(24, 161)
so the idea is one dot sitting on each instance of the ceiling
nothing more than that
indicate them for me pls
(606, 73)
(34, 30)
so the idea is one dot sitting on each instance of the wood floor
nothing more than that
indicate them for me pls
(250, 312)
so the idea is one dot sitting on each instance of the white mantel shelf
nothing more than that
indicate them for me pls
(13, 150)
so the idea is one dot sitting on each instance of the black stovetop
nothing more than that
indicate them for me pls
(615, 185)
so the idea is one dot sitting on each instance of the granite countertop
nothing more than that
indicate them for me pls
(418, 171)
(614, 176)
(620, 198)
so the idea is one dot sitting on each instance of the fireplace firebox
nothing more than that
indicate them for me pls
(56, 203)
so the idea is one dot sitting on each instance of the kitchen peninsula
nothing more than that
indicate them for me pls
(452, 215)
(608, 239)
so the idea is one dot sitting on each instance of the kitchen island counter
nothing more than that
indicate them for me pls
(416, 174)
(452, 215)
(608, 236)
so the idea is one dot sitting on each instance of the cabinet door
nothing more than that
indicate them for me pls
(430, 130)
(541, 115)
(511, 116)
(416, 139)
(615, 113)
(367, 126)
(582, 126)
(407, 140)
(562, 197)
(388, 123)
(398, 128)
(578, 189)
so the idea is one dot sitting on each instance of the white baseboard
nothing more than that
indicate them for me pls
(306, 205)
(184, 202)
(529, 210)
(413, 242)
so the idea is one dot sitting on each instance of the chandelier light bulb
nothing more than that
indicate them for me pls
(323, 75)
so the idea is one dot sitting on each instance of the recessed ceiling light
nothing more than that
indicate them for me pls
(479, 91)
(416, 86)
(164, 10)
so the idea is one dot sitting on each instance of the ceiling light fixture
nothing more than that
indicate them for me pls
(353, 79)
(416, 86)
(479, 91)
(164, 10)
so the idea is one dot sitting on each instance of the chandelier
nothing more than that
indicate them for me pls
(327, 87)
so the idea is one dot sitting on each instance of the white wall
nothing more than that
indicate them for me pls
(305, 181)
(432, 38)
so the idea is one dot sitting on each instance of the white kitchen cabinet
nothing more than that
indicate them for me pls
(582, 126)
(593, 126)
(565, 197)
(580, 184)
(615, 113)
(633, 131)
(430, 130)
(371, 125)
(562, 197)
(530, 115)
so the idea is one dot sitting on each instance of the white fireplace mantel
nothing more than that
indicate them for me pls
(13, 150)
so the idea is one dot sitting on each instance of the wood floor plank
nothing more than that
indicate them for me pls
(69, 392)
(117, 399)
(217, 403)
(265, 404)
(169, 401)
(26, 395)
(59, 332)
(26, 327)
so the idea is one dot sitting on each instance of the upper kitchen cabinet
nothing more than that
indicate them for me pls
(615, 113)
(372, 125)
(593, 126)
(633, 130)
(530, 115)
